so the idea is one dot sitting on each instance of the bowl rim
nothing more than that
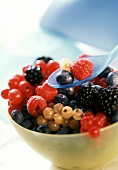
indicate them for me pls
(63, 135)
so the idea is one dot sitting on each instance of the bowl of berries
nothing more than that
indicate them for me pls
(74, 127)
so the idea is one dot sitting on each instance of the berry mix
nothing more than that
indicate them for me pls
(34, 105)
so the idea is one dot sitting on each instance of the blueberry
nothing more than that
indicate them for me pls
(25, 112)
(27, 124)
(17, 116)
(112, 79)
(66, 91)
(105, 72)
(64, 77)
(61, 98)
(43, 129)
(74, 104)
(63, 130)
(114, 117)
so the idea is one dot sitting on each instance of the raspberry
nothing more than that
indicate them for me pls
(47, 92)
(35, 105)
(81, 69)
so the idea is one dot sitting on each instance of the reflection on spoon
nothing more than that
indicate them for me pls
(100, 63)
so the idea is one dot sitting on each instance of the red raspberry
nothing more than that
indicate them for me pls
(47, 92)
(35, 105)
(81, 69)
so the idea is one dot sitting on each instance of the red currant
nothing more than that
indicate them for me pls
(26, 88)
(98, 122)
(86, 122)
(42, 64)
(14, 107)
(88, 113)
(15, 96)
(14, 82)
(102, 116)
(25, 67)
(94, 131)
(4, 93)
(52, 66)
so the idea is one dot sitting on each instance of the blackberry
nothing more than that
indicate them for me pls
(46, 59)
(86, 96)
(107, 100)
(34, 75)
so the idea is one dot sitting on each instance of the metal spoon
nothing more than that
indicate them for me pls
(100, 63)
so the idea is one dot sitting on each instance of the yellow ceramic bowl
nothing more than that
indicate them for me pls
(76, 151)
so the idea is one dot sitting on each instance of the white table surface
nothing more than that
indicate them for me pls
(16, 48)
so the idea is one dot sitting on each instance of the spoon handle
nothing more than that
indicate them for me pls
(113, 53)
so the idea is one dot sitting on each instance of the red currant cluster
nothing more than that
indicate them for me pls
(19, 90)
(93, 123)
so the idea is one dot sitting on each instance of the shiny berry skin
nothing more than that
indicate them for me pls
(15, 96)
(17, 116)
(63, 130)
(35, 105)
(52, 66)
(42, 64)
(65, 64)
(48, 113)
(61, 98)
(102, 116)
(26, 88)
(53, 126)
(64, 77)
(73, 124)
(112, 79)
(58, 108)
(25, 67)
(105, 72)
(4, 93)
(14, 107)
(77, 114)
(41, 120)
(86, 122)
(27, 124)
(14, 82)
(94, 132)
(67, 112)
(58, 118)
(97, 121)
(81, 69)
(43, 129)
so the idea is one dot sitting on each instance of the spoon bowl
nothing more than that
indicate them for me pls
(100, 63)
